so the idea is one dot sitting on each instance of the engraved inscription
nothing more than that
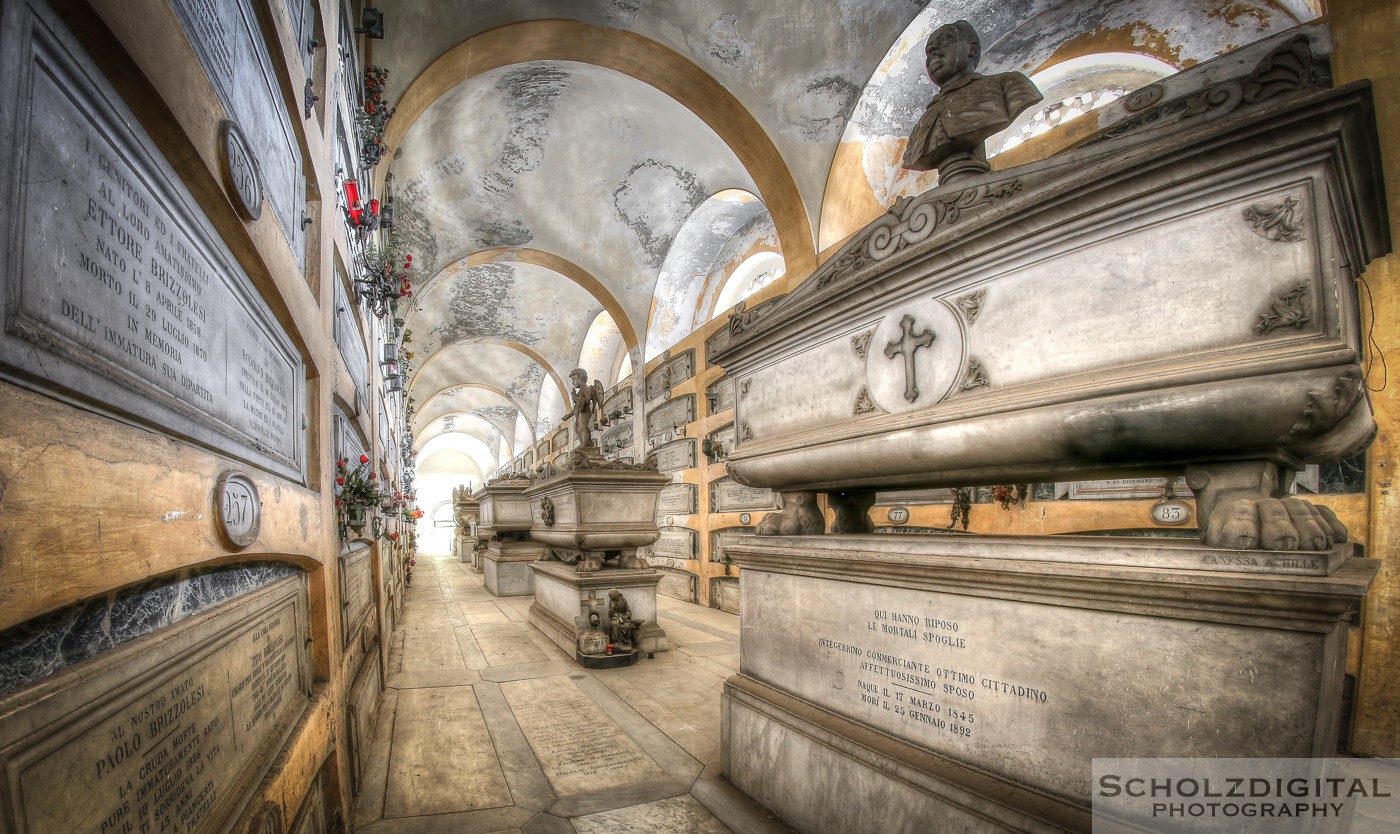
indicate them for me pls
(121, 275)
(679, 543)
(357, 589)
(578, 746)
(677, 412)
(677, 499)
(168, 756)
(916, 668)
(676, 456)
(728, 495)
(721, 394)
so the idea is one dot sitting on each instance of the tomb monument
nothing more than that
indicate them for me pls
(1174, 296)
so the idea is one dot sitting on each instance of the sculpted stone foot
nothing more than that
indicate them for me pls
(590, 564)
(852, 511)
(631, 561)
(799, 516)
(1242, 506)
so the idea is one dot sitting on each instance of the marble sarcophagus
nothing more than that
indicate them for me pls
(1179, 291)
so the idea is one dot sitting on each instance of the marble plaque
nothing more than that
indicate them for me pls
(725, 438)
(719, 538)
(172, 733)
(559, 442)
(677, 542)
(678, 499)
(579, 747)
(724, 594)
(670, 373)
(664, 418)
(721, 394)
(303, 18)
(618, 401)
(1125, 488)
(348, 338)
(677, 584)
(229, 41)
(356, 591)
(729, 496)
(913, 497)
(348, 445)
(362, 709)
(422, 780)
(617, 437)
(666, 562)
(118, 280)
(676, 456)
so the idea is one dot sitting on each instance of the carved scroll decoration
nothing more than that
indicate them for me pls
(1289, 309)
(1282, 221)
(911, 221)
(745, 432)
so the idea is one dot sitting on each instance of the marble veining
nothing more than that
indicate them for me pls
(47, 644)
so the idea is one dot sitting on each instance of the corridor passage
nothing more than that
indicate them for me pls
(486, 726)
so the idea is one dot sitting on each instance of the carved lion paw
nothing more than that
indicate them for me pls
(590, 565)
(1274, 524)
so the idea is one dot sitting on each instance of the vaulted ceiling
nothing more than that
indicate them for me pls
(575, 178)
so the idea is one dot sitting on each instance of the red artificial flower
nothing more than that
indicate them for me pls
(339, 502)
(408, 258)
(364, 458)
(340, 481)
(372, 476)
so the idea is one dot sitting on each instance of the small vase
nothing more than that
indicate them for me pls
(355, 517)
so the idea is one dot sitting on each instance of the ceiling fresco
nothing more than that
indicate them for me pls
(579, 179)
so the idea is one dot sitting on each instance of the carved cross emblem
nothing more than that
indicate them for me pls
(906, 345)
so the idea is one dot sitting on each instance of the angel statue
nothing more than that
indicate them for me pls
(587, 407)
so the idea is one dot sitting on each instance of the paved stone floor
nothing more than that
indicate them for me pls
(486, 726)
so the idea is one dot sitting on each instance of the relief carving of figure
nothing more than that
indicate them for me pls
(968, 108)
(587, 408)
(621, 626)
(799, 516)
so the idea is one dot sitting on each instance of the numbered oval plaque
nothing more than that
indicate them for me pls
(241, 171)
(1171, 513)
(237, 508)
(898, 515)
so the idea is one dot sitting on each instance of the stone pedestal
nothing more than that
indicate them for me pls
(466, 548)
(562, 595)
(967, 683)
(506, 566)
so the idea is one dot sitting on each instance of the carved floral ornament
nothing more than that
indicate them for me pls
(1281, 221)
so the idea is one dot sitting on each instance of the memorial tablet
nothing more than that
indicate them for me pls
(670, 373)
(665, 418)
(719, 538)
(350, 341)
(676, 456)
(1126, 488)
(678, 584)
(174, 739)
(677, 499)
(228, 39)
(362, 707)
(724, 593)
(677, 542)
(721, 394)
(729, 496)
(356, 591)
(122, 294)
(619, 401)
(913, 497)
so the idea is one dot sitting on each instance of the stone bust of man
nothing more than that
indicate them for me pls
(968, 107)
